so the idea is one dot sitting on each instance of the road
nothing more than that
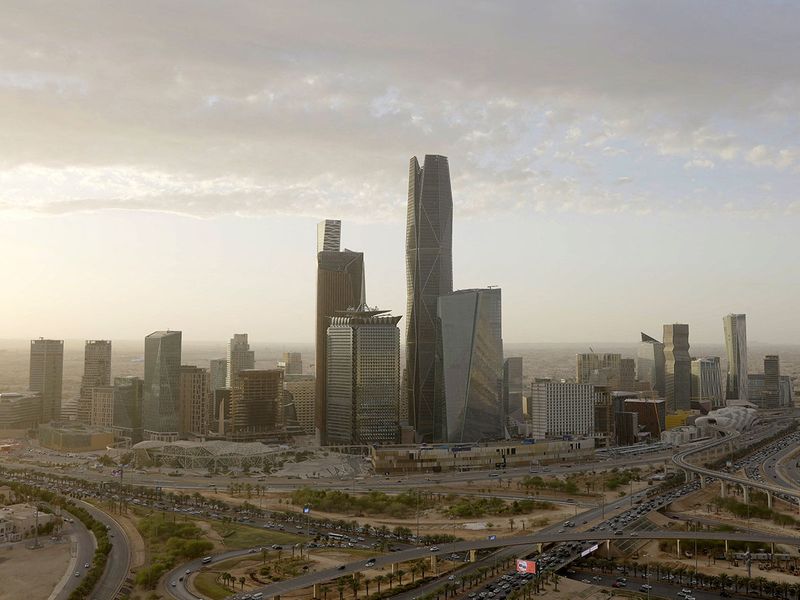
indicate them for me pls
(663, 589)
(119, 559)
(85, 551)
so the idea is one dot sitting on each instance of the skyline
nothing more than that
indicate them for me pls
(607, 190)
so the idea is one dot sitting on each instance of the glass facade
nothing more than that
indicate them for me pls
(162, 368)
(677, 367)
(736, 349)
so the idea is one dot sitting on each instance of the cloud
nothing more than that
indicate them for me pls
(313, 109)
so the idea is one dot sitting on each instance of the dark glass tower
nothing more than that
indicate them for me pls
(429, 275)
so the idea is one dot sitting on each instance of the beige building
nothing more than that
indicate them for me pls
(18, 521)
(19, 411)
(96, 373)
(72, 436)
(101, 412)
(195, 401)
(301, 391)
(46, 376)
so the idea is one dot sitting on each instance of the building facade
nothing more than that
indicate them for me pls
(772, 381)
(471, 347)
(292, 363)
(19, 411)
(96, 372)
(363, 402)
(256, 401)
(162, 368)
(562, 409)
(736, 350)
(102, 407)
(195, 401)
(340, 285)
(429, 275)
(240, 357)
(650, 364)
(512, 387)
(128, 400)
(707, 382)
(46, 376)
(218, 372)
(300, 390)
(677, 367)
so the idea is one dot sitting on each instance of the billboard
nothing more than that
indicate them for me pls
(589, 550)
(526, 566)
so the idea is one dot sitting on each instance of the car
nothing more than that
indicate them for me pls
(77, 574)
(341, 567)
(173, 583)
(589, 581)
(86, 565)
(370, 563)
(619, 584)
(686, 591)
(188, 571)
(451, 578)
(434, 548)
(645, 587)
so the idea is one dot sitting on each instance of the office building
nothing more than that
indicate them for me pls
(218, 372)
(195, 401)
(650, 363)
(626, 428)
(240, 357)
(74, 436)
(292, 363)
(512, 387)
(652, 414)
(96, 373)
(627, 374)
(599, 369)
(470, 386)
(127, 416)
(300, 391)
(46, 376)
(19, 411)
(340, 285)
(736, 350)
(772, 381)
(162, 368)
(707, 382)
(363, 402)
(429, 276)
(102, 407)
(256, 400)
(677, 367)
(562, 409)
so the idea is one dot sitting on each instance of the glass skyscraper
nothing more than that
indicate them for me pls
(677, 367)
(429, 275)
(736, 350)
(162, 369)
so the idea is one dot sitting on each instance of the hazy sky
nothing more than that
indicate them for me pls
(616, 165)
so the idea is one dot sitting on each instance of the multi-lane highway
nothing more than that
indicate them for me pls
(119, 559)
(84, 552)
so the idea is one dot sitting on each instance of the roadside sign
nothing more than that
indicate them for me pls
(526, 566)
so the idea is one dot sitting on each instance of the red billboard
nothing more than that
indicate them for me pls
(526, 566)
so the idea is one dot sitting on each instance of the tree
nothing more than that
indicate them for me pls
(400, 574)
(390, 578)
(378, 581)
(340, 585)
(355, 585)
(366, 586)
(241, 582)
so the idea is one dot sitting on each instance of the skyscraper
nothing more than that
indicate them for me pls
(240, 357)
(96, 373)
(292, 363)
(300, 390)
(256, 401)
(161, 404)
(560, 409)
(218, 370)
(128, 398)
(512, 386)
(772, 381)
(46, 375)
(736, 349)
(195, 401)
(677, 367)
(429, 275)
(363, 401)
(650, 363)
(101, 413)
(600, 369)
(471, 365)
(707, 381)
(340, 285)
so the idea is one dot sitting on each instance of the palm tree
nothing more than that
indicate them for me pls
(241, 582)
(340, 585)
(366, 586)
(378, 581)
(422, 566)
(325, 590)
(355, 585)
(390, 578)
(414, 571)
(400, 574)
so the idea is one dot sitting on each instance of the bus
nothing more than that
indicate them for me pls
(336, 536)
(206, 560)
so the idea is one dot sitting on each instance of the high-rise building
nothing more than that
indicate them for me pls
(559, 409)
(101, 413)
(627, 374)
(363, 401)
(292, 363)
(256, 401)
(127, 416)
(772, 381)
(736, 350)
(240, 357)
(429, 275)
(677, 367)
(512, 386)
(707, 381)
(218, 371)
(46, 375)
(162, 367)
(195, 401)
(300, 390)
(96, 373)
(470, 386)
(599, 369)
(340, 285)
(329, 235)
(650, 364)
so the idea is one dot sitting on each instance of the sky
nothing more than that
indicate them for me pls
(615, 165)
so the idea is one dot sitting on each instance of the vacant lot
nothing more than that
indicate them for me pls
(49, 564)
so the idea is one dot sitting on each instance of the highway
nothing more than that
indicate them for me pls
(85, 551)
(119, 559)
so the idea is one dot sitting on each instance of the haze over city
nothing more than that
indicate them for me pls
(615, 166)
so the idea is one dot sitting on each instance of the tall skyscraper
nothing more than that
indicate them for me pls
(329, 235)
(429, 275)
(512, 386)
(127, 417)
(300, 391)
(162, 369)
(363, 401)
(736, 349)
(240, 357)
(256, 400)
(46, 375)
(195, 401)
(707, 381)
(650, 363)
(340, 285)
(218, 370)
(470, 387)
(292, 363)
(101, 413)
(96, 373)
(627, 374)
(677, 367)
(772, 381)
(599, 369)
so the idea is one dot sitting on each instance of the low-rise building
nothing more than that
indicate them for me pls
(74, 436)
(18, 521)
(19, 411)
